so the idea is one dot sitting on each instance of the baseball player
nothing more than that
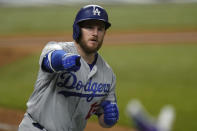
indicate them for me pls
(74, 81)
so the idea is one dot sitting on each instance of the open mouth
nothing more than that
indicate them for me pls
(94, 40)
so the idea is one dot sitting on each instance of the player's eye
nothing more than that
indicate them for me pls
(87, 26)
(101, 28)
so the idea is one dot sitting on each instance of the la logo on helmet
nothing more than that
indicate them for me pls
(96, 11)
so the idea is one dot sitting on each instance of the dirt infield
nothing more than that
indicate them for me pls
(111, 38)
(16, 47)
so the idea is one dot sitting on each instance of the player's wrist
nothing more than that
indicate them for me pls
(102, 123)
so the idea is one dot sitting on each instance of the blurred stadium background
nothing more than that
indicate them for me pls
(44, 2)
(152, 47)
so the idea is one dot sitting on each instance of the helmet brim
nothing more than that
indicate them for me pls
(107, 24)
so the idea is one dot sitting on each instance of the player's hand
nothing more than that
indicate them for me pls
(111, 113)
(71, 62)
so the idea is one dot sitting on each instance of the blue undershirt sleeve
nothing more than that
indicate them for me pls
(52, 61)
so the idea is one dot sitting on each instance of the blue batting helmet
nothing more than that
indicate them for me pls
(89, 12)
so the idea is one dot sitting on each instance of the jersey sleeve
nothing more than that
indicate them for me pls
(50, 47)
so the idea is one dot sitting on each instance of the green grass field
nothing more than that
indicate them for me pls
(157, 75)
(59, 19)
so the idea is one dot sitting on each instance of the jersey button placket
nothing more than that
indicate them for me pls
(92, 72)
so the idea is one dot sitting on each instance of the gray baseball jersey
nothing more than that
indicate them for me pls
(63, 101)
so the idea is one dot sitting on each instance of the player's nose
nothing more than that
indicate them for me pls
(95, 31)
